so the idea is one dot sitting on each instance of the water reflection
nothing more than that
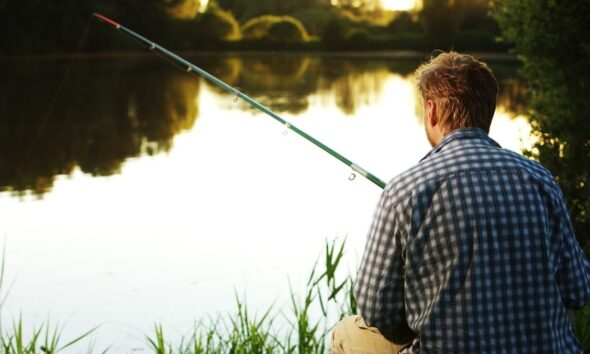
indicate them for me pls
(111, 110)
(107, 112)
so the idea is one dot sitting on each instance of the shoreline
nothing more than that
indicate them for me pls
(381, 54)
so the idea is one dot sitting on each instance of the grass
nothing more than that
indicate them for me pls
(310, 319)
(46, 339)
(308, 322)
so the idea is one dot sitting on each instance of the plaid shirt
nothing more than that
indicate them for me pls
(473, 248)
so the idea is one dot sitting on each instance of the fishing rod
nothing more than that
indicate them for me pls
(190, 67)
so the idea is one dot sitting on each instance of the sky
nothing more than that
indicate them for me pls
(398, 4)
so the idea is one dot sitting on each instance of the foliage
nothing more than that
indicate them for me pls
(289, 30)
(359, 36)
(553, 41)
(275, 29)
(326, 296)
(245, 10)
(444, 18)
(46, 339)
(440, 18)
(403, 22)
(582, 327)
(38, 27)
(334, 32)
(315, 19)
(217, 24)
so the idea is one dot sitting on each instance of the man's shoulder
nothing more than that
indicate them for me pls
(458, 160)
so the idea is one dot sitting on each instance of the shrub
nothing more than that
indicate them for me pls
(275, 29)
(403, 23)
(334, 32)
(359, 36)
(553, 41)
(218, 24)
(289, 30)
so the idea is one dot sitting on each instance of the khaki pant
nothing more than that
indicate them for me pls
(352, 336)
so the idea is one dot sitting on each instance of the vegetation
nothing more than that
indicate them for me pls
(40, 27)
(553, 42)
(275, 29)
(328, 297)
(46, 339)
(218, 24)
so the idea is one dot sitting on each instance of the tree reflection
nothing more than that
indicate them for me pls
(111, 110)
(101, 118)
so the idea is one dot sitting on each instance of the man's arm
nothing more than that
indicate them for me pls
(379, 289)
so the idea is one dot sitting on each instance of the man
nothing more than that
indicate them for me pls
(471, 250)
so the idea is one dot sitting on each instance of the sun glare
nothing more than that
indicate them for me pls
(399, 5)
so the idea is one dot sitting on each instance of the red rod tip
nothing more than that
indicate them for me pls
(106, 19)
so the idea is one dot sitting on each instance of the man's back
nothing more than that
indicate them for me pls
(474, 249)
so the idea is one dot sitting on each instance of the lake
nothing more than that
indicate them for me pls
(136, 193)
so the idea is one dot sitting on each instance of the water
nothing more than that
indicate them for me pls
(148, 195)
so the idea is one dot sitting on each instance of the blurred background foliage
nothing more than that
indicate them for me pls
(55, 26)
(552, 39)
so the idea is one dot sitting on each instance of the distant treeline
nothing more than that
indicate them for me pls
(41, 26)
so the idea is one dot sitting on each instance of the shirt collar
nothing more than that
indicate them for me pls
(465, 134)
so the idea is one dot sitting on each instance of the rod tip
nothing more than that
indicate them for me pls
(106, 20)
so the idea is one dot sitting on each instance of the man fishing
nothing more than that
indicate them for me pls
(472, 249)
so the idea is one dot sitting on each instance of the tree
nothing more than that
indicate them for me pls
(441, 18)
(217, 24)
(403, 22)
(552, 38)
(275, 29)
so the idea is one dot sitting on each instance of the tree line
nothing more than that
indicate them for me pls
(41, 26)
(553, 41)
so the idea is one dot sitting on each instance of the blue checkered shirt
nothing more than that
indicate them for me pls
(473, 249)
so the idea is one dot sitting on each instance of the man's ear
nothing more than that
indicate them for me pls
(431, 113)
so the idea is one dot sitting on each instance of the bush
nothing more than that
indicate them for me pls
(403, 23)
(552, 39)
(334, 32)
(289, 30)
(275, 29)
(218, 25)
(359, 36)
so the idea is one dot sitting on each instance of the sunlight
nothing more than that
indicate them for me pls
(399, 5)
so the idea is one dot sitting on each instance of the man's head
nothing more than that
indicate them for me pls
(458, 91)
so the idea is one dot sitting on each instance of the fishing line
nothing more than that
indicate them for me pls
(190, 67)
(60, 87)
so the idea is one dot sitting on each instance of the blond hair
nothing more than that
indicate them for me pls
(463, 89)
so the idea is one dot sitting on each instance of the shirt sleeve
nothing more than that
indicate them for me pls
(379, 289)
(573, 273)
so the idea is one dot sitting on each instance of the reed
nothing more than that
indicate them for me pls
(46, 339)
(327, 298)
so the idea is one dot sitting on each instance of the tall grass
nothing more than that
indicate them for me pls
(310, 319)
(46, 339)
(325, 293)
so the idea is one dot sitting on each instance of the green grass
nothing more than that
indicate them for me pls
(46, 339)
(310, 319)
(306, 325)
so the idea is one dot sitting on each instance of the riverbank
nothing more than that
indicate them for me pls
(381, 54)
(305, 326)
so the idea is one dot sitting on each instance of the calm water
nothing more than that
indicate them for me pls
(148, 195)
